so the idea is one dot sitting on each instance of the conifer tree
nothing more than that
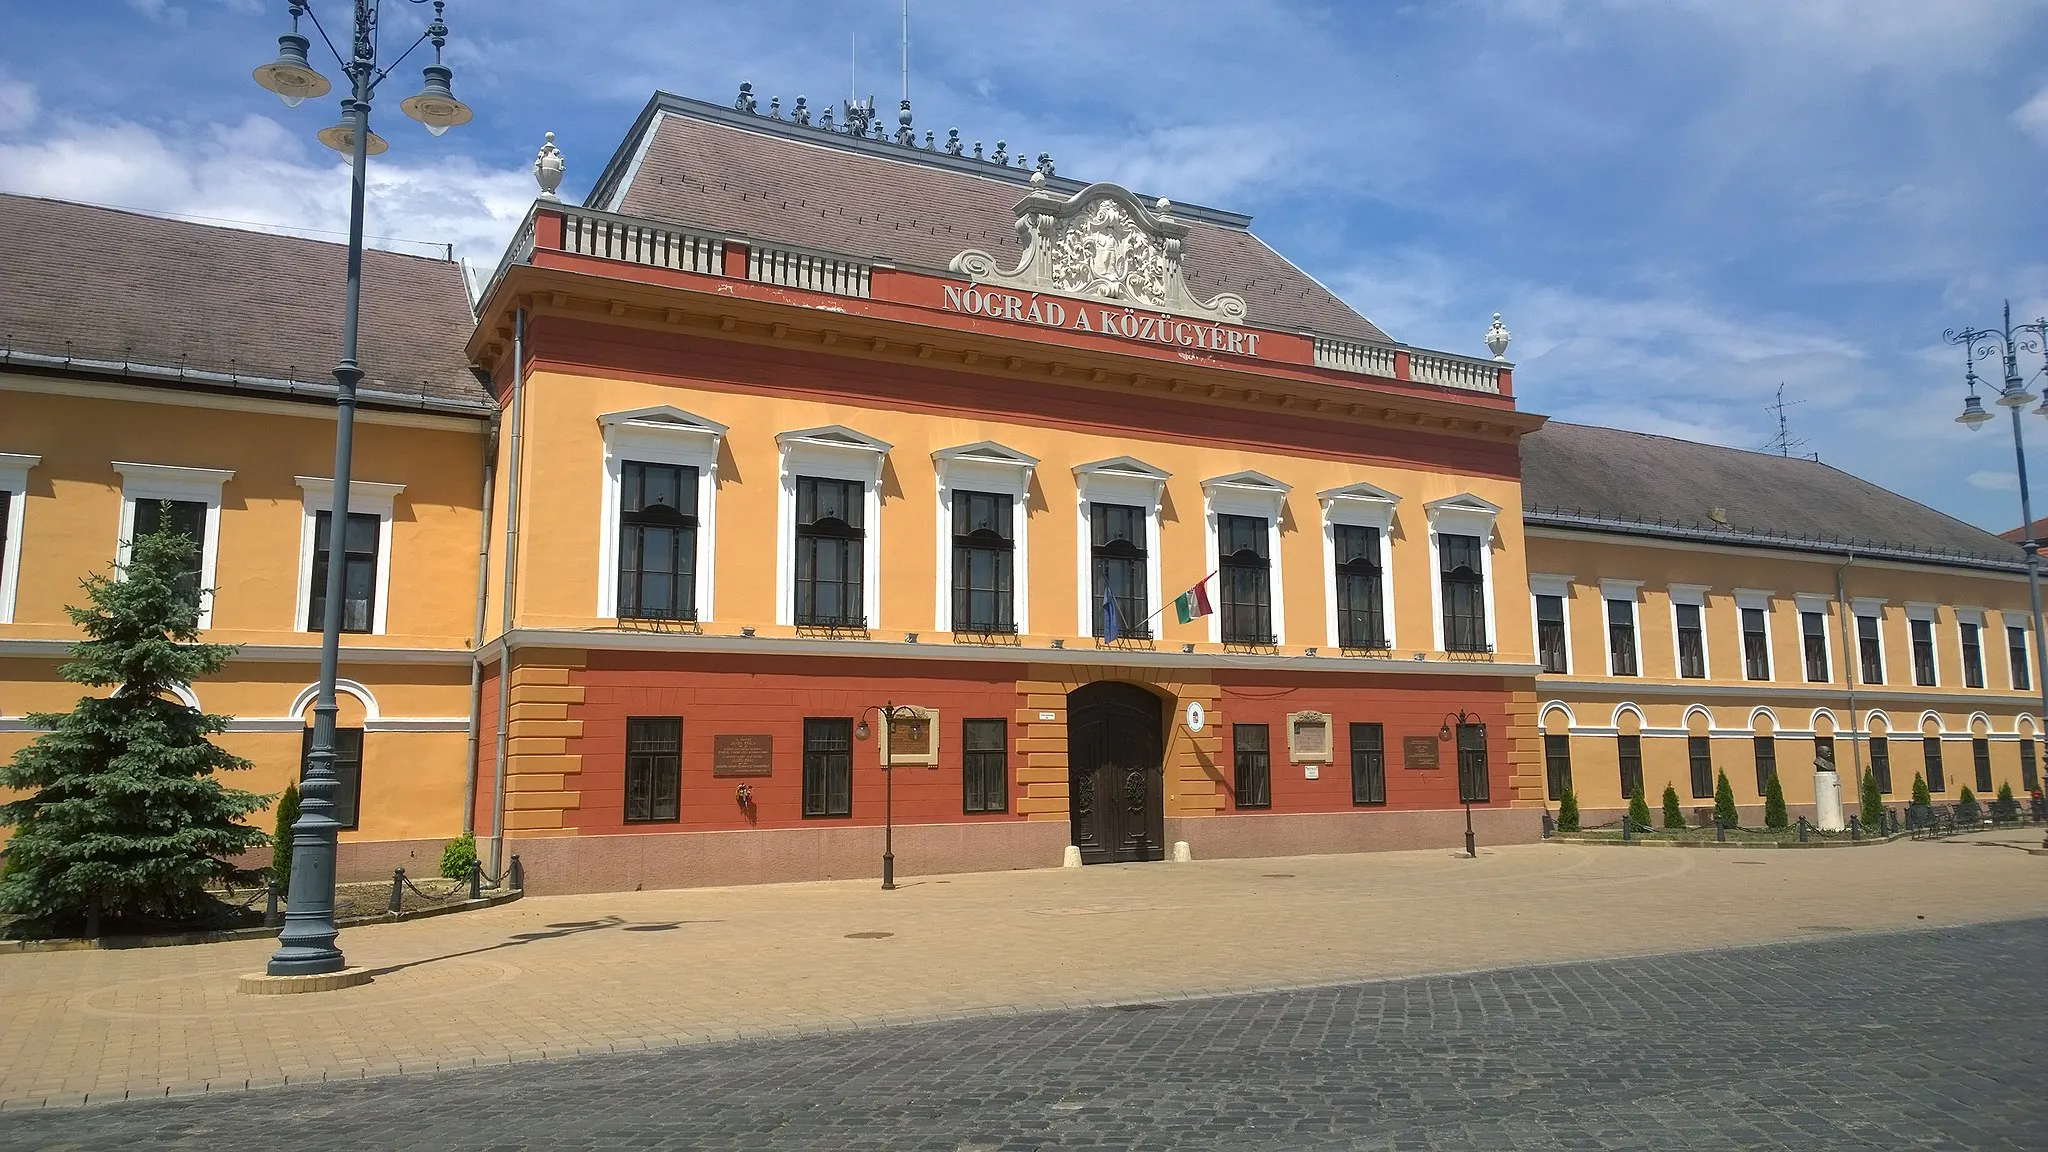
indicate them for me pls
(1674, 819)
(1639, 810)
(1568, 811)
(1871, 803)
(1774, 804)
(1966, 807)
(287, 814)
(1724, 802)
(1921, 796)
(124, 815)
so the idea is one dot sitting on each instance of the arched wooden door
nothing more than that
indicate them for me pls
(1115, 788)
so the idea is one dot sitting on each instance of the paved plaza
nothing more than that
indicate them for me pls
(1053, 1009)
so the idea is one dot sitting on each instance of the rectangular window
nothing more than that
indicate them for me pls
(2030, 772)
(1756, 645)
(1881, 762)
(1474, 787)
(1461, 570)
(1361, 605)
(1550, 633)
(1923, 652)
(1766, 763)
(1980, 759)
(348, 769)
(1118, 559)
(358, 576)
(828, 767)
(1557, 765)
(1368, 764)
(1973, 655)
(1630, 751)
(985, 765)
(654, 770)
(983, 563)
(657, 542)
(188, 519)
(2015, 640)
(1254, 765)
(1930, 750)
(1245, 575)
(1621, 637)
(1692, 643)
(1813, 639)
(831, 551)
(1702, 762)
(1870, 649)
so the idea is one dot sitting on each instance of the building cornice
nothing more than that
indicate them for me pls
(1562, 525)
(278, 398)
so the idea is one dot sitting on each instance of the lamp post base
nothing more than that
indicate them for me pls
(264, 984)
(888, 871)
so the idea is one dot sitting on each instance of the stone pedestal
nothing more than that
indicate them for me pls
(1827, 801)
(264, 984)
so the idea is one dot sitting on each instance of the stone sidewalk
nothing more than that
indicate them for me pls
(554, 976)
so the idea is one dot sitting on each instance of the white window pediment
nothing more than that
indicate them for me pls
(661, 434)
(1693, 594)
(1758, 598)
(1246, 494)
(1463, 515)
(833, 451)
(985, 466)
(1121, 480)
(1362, 504)
(1545, 584)
(1628, 590)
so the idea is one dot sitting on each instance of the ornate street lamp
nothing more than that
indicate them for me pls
(888, 713)
(2006, 343)
(1457, 722)
(306, 945)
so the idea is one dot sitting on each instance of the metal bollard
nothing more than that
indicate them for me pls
(270, 917)
(518, 874)
(1627, 829)
(1549, 825)
(1802, 829)
(1856, 828)
(476, 880)
(397, 890)
(1720, 831)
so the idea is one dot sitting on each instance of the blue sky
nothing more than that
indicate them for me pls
(1676, 204)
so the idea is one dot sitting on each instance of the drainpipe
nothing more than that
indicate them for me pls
(511, 564)
(476, 652)
(1850, 656)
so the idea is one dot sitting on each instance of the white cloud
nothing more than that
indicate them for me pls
(159, 11)
(2032, 117)
(17, 103)
(1991, 481)
(256, 172)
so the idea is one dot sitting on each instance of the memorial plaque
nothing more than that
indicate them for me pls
(1308, 737)
(910, 738)
(1418, 751)
(742, 755)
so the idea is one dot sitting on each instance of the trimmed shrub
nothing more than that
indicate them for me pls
(1871, 803)
(281, 840)
(1774, 804)
(459, 857)
(1673, 818)
(2005, 807)
(1639, 810)
(1921, 795)
(1966, 807)
(1724, 802)
(1568, 811)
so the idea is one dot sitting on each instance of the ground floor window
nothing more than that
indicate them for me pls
(828, 766)
(1473, 785)
(1557, 765)
(2030, 773)
(1980, 759)
(1630, 751)
(985, 766)
(1254, 765)
(1699, 753)
(1930, 749)
(654, 769)
(348, 773)
(1368, 764)
(1766, 763)
(1881, 763)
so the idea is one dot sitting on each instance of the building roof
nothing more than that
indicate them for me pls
(105, 291)
(2016, 535)
(1574, 475)
(697, 164)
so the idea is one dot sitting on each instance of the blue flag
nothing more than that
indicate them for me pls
(1109, 620)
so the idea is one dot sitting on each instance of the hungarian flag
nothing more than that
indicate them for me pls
(1193, 603)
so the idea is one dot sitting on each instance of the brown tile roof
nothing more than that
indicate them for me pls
(2016, 535)
(1573, 474)
(725, 171)
(100, 284)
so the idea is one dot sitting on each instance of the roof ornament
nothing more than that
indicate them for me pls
(977, 149)
(904, 135)
(1045, 163)
(1002, 153)
(802, 112)
(1101, 243)
(928, 138)
(952, 141)
(547, 169)
(859, 116)
(825, 122)
(746, 101)
(1497, 338)
(775, 107)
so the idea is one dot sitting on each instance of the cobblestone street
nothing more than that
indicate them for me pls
(1927, 1039)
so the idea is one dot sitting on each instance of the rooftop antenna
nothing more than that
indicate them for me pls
(853, 69)
(906, 49)
(1784, 443)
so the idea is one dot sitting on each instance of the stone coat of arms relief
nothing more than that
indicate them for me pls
(1100, 243)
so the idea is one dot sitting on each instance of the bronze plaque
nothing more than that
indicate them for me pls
(1418, 751)
(910, 736)
(747, 755)
(1311, 737)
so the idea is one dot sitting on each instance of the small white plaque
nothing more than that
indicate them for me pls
(1048, 715)
(1196, 717)
(1312, 771)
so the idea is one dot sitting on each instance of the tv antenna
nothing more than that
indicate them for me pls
(906, 51)
(1784, 443)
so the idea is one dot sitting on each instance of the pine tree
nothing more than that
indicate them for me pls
(1966, 807)
(281, 840)
(1724, 803)
(1673, 818)
(1568, 811)
(1639, 810)
(1921, 796)
(123, 814)
(1871, 803)
(1774, 804)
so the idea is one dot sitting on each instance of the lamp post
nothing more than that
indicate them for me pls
(888, 713)
(2007, 342)
(306, 945)
(1462, 720)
